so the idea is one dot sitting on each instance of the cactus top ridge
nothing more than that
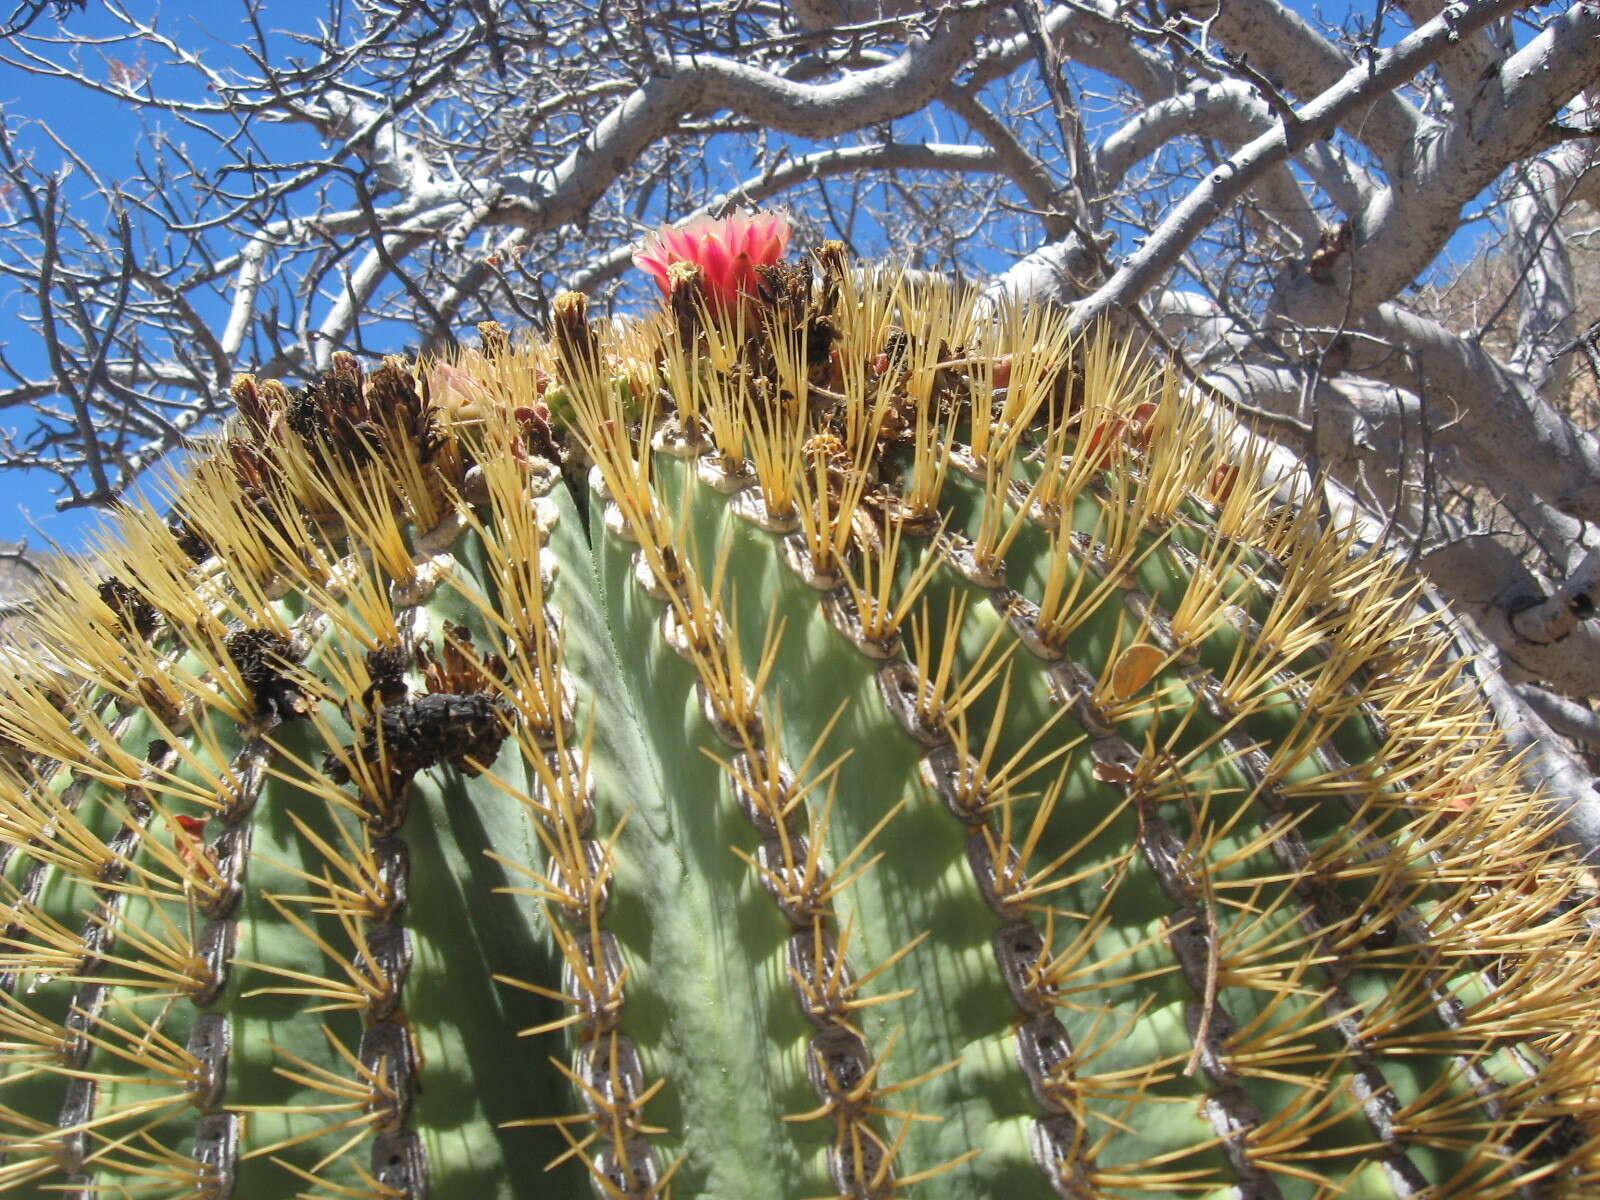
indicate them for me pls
(847, 742)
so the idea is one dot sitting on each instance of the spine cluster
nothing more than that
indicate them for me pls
(821, 740)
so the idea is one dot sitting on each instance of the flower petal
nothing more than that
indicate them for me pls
(728, 250)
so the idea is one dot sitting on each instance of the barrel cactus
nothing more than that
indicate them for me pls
(819, 740)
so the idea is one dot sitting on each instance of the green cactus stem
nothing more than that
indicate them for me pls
(830, 744)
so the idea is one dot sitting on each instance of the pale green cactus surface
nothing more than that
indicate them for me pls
(848, 744)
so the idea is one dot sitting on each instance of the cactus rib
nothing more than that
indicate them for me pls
(823, 741)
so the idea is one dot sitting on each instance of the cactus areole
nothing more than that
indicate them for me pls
(828, 744)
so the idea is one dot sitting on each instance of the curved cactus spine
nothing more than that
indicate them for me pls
(809, 743)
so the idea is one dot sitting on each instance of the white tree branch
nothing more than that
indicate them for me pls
(1229, 111)
(1281, 43)
(1502, 418)
(1462, 67)
(1566, 717)
(1407, 224)
(1206, 201)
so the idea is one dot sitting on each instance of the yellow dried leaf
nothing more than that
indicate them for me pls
(1136, 666)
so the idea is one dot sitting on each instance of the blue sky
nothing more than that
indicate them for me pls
(107, 135)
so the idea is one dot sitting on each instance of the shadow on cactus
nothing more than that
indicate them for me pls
(812, 742)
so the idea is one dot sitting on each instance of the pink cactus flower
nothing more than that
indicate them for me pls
(727, 250)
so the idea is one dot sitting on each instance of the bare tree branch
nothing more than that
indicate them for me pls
(1272, 200)
(1206, 202)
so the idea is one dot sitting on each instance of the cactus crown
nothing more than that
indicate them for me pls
(826, 745)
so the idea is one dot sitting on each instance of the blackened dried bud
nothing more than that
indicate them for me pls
(896, 345)
(821, 334)
(577, 344)
(459, 669)
(189, 540)
(253, 469)
(395, 402)
(786, 287)
(441, 727)
(829, 453)
(535, 437)
(252, 406)
(134, 611)
(387, 667)
(155, 699)
(308, 415)
(686, 300)
(261, 657)
(273, 394)
(346, 366)
(333, 413)
(833, 258)
(495, 339)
